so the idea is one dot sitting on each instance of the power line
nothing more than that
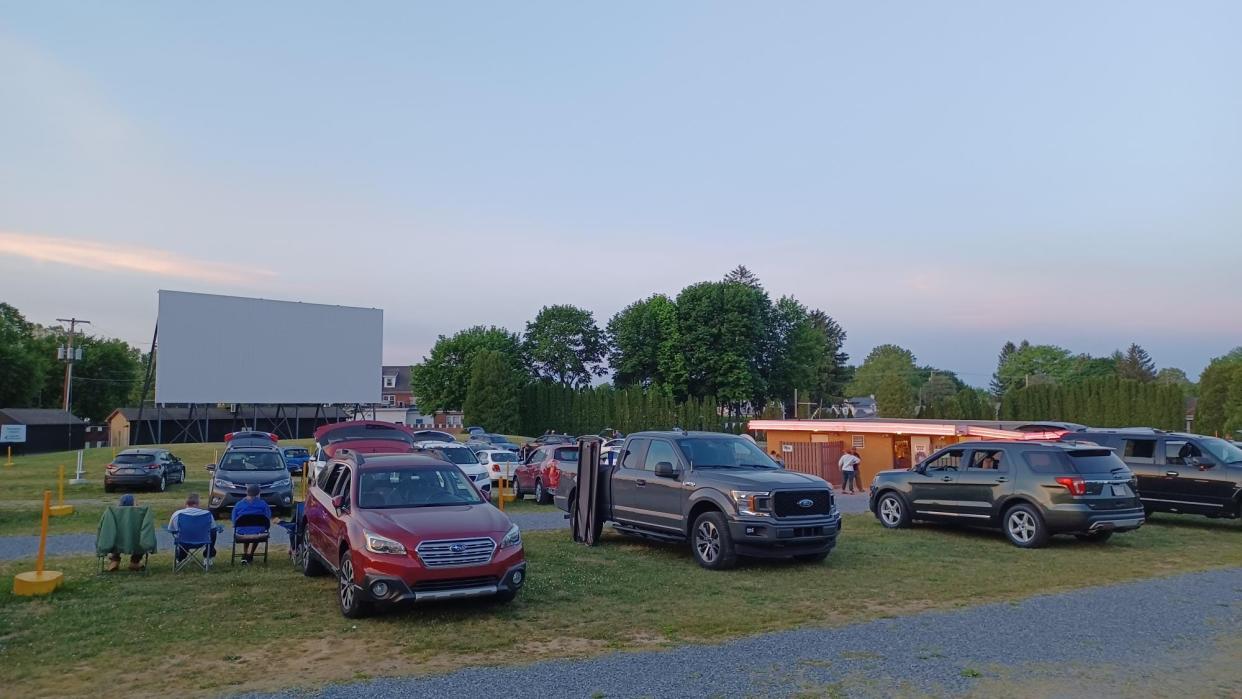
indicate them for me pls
(69, 356)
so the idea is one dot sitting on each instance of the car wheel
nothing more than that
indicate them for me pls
(1025, 527)
(542, 496)
(711, 542)
(892, 512)
(1095, 537)
(305, 558)
(163, 484)
(348, 592)
(812, 557)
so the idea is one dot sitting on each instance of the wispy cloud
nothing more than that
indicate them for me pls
(106, 257)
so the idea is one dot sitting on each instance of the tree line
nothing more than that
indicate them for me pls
(108, 376)
(721, 343)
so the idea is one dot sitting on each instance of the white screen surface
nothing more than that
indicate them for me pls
(229, 349)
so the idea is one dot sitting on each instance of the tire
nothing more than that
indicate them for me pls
(348, 594)
(1095, 537)
(162, 485)
(812, 557)
(892, 512)
(1024, 527)
(306, 560)
(542, 496)
(711, 543)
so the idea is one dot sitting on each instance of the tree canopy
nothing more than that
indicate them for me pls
(493, 398)
(442, 380)
(564, 345)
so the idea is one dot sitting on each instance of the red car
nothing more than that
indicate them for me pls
(539, 474)
(398, 528)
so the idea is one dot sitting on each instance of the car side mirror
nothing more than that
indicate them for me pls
(210, 467)
(665, 469)
(338, 503)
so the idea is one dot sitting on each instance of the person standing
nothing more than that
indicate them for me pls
(849, 471)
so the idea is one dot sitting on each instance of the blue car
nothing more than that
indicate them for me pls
(296, 458)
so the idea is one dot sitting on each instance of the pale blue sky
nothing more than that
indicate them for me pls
(943, 175)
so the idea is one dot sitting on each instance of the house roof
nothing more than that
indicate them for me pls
(402, 372)
(40, 416)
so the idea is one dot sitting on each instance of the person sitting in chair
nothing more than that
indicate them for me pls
(114, 559)
(192, 508)
(252, 504)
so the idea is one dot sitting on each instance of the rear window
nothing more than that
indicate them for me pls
(134, 459)
(503, 456)
(297, 452)
(567, 454)
(1081, 461)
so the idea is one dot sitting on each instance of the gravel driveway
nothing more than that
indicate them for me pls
(1106, 641)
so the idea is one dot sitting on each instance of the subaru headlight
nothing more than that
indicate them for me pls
(381, 544)
(755, 503)
(512, 538)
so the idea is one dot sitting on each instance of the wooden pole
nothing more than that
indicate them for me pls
(47, 506)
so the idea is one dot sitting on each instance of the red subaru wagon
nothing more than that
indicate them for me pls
(399, 528)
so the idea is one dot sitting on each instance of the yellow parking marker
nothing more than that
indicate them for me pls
(39, 581)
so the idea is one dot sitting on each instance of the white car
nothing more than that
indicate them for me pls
(464, 458)
(498, 462)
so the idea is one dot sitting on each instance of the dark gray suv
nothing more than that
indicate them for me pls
(1030, 490)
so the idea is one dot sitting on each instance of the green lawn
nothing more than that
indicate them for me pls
(237, 630)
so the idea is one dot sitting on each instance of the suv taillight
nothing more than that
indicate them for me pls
(1074, 484)
(495, 468)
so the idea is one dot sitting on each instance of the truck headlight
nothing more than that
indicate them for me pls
(756, 503)
(513, 537)
(381, 544)
(283, 483)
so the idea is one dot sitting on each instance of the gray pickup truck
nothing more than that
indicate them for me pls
(718, 491)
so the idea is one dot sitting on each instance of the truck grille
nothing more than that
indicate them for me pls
(450, 553)
(785, 503)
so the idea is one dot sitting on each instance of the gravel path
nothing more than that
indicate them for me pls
(1097, 639)
(15, 547)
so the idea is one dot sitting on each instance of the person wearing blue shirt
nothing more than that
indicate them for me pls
(252, 504)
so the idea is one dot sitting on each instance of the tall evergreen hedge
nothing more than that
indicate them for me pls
(1100, 402)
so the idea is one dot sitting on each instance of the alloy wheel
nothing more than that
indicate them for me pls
(890, 511)
(707, 541)
(347, 584)
(1022, 526)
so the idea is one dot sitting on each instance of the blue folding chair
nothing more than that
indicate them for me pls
(251, 528)
(192, 540)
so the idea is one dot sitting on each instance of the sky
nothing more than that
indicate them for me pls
(945, 176)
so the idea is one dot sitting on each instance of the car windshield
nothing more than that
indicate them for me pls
(1225, 452)
(502, 456)
(459, 455)
(422, 487)
(497, 439)
(341, 434)
(252, 461)
(724, 452)
(134, 459)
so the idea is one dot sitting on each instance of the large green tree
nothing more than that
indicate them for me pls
(441, 381)
(1032, 364)
(1136, 364)
(998, 385)
(22, 367)
(105, 379)
(833, 372)
(565, 345)
(644, 347)
(882, 362)
(1219, 409)
(724, 330)
(493, 398)
(894, 397)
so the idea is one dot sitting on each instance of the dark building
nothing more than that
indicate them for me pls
(46, 430)
(153, 425)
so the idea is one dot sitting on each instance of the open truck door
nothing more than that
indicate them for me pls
(587, 517)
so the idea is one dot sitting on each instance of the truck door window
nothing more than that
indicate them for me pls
(1140, 451)
(634, 454)
(659, 450)
(1179, 452)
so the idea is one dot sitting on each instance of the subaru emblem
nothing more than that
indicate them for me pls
(805, 502)
(457, 548)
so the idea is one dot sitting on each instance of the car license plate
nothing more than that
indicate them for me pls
(1121, 491)
(130, 471)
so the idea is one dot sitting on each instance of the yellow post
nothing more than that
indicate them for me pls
(9, 461)
(61, 509)
(40, 581)
(500, 492)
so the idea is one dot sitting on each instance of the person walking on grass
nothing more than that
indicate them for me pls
(849, 472)
(252, 504)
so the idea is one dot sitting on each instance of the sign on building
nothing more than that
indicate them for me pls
(12, 433)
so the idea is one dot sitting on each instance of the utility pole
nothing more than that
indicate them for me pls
(67, 355)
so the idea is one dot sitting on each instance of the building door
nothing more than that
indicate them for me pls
(816, 459)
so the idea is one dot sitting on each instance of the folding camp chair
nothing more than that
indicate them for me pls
(291, 528)
(125, 531)
(192, 538)
(251, 520)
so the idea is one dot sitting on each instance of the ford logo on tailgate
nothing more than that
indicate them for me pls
(805, 503)
(457, 548)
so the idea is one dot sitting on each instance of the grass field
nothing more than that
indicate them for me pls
(270, 628)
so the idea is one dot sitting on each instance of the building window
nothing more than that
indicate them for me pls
(857, 441)
(390, 382)
(387, 399)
